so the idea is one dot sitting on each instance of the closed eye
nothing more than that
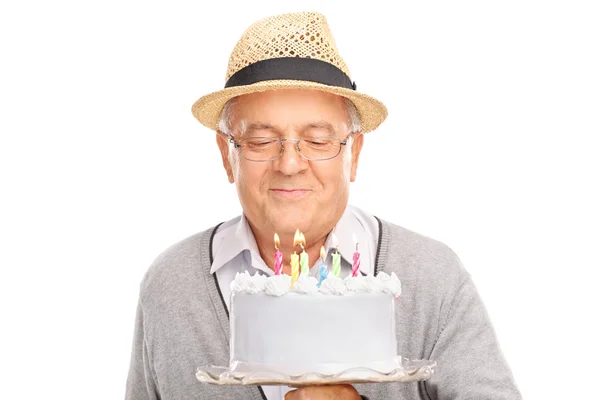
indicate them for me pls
(257, 143)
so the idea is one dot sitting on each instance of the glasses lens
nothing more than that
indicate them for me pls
(320, 148)
(260, 148)
(267, 149)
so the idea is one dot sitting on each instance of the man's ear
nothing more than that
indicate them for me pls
(223, 143)
(357, 145)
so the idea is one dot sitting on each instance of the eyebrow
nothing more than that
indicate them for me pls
(261, 126)
(324, 125)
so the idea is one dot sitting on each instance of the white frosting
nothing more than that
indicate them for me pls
(260, 341)
(360, 331)
(278, 285)
(305, 284)
(357, 283)
(374, 283)
(240, 282)
(247, 283)
(392, 283)
(333, 285)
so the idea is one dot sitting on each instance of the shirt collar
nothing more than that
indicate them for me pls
(236, 236)
(347, 226)
(232, 239)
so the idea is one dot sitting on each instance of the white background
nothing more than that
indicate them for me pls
(490, 147)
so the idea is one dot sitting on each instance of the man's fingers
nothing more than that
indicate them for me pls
(338, 392)
(291, 395)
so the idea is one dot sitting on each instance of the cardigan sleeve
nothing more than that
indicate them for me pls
(141, 382)
(470, 362)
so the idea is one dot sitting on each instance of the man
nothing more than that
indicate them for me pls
(290, 127)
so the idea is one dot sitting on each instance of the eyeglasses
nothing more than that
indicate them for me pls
(268, 149)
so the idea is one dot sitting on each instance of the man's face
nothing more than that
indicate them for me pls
(291, 192)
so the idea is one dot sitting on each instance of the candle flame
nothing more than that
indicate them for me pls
(276, 241)
(323, 253)
(299, 239)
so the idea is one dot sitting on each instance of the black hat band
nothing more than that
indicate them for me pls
(294, 68)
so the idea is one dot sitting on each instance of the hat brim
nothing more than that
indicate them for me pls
(207, 109)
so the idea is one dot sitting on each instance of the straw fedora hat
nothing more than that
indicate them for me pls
(288, 51)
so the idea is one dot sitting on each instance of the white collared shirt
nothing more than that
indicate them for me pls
(234, 249)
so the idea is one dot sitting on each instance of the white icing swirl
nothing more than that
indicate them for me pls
(356, 283)
(392, 283)
(240, 281)
(374, 283)
(278, 285)
(333, 285)
(247, 283)
(305, 284)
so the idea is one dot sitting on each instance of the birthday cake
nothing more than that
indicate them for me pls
(307, 326)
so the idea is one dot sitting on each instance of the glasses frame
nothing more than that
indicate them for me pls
(238, 145)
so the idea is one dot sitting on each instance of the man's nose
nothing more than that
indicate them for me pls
(290, 162)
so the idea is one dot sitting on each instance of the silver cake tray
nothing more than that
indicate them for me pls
(408, 371)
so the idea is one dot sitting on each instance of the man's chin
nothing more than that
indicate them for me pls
(287, 224)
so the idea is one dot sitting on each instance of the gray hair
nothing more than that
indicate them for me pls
(225, 124)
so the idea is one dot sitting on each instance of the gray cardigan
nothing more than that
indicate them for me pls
(182, 324)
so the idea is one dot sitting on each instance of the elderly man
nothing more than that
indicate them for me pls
(290, 127)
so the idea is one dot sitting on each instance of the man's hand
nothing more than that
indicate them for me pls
(331, 392)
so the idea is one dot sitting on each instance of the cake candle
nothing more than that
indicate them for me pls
(336, 266)
(304, 262)
(294, 261)
(299, 240)
(295, 258)
(322, 268)
(278, 268)
(355, 258)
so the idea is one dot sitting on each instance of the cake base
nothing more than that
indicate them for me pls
(323, 369)
(407, 371)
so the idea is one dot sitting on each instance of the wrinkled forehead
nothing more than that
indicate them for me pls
(286, 111)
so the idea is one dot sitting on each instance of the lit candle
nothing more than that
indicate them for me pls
(304, 268)
(278, 257)
(355, 258)
(294, 262)
(295, 258)
(336, 266)
(322, 268)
